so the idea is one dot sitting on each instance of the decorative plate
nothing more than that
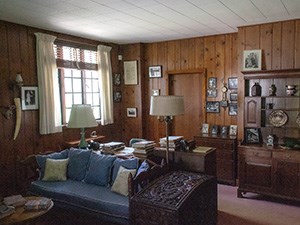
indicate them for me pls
(278, 118)
(298, 119)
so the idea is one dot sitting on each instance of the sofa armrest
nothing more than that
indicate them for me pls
(144, 178)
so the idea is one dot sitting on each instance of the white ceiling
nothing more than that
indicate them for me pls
(133, 21)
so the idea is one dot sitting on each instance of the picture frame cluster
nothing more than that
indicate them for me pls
(222, 130)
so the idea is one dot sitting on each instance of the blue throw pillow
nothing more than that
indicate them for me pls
(127, 163)
(41, 159)
(78, 163)
(143, 167)
(99, 169)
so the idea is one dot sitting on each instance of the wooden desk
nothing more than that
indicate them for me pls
(69, 144)
(21, 216)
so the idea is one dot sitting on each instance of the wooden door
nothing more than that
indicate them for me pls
(192, 87)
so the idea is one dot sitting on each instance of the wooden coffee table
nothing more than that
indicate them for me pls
(21, 215)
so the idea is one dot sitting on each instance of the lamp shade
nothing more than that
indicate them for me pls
(82, 116)
(166, 105)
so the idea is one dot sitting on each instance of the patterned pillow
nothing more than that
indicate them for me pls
(56, 170)
(121, 182)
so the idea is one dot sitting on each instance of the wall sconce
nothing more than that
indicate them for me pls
(19, 80)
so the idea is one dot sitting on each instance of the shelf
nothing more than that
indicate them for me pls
(274, 96)
(296, 109)
(257, 74)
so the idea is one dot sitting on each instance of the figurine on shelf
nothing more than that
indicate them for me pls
(256, 89)
(272, 90)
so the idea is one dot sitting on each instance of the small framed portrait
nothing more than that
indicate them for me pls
(131, 112)
(214, 129)
(211, 93)
(212, 83)
(155, 71)
(205, 128)
(29, 98)
(233, 96)
(232, 83)
(232, 130)
(224, 130)
(252, 60)
(117, 96)
(253, 136)
(233, 109)
(155, 92)
(117, 79)
(212, 107)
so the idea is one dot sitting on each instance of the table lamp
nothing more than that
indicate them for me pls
(166, 106)
(81, 117)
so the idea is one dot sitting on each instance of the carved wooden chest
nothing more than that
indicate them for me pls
(177, 198)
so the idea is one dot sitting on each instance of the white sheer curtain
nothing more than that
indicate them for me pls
(49, 100)
(105, 83)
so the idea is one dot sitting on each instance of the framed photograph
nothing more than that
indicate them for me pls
(155, 71)
(117, 96)
(232, 109)
(233, 130)
(131, 112)
(130, 73)
(205, 128)
(155, 92)
(233, 96)
(117, 79)
(29, 98)
(212, 107)
(214, 129)
(212, 83)
(232, 83)
(224, 130)
(253, 136)
(211, 93)
(252, 60)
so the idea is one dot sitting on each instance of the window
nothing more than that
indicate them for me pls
(79, 79)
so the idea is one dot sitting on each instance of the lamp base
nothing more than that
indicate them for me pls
(83, 143)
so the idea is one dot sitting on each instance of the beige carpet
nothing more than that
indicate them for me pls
(254, 209)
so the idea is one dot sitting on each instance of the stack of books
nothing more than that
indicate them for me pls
(111, 147)
(143, 149)
(174, 143)
(37, 204)
(14, 200)
(6, 210)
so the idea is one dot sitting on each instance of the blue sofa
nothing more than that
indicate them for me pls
(85, 180)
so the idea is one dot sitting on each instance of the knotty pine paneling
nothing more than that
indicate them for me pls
(17, 55)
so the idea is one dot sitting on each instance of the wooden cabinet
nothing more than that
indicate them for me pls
(274, 172)
(226, 154)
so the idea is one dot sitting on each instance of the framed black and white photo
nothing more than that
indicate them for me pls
(253, 136)
(232, 109)
(214, 129)
(29, 98)
(224, 130)
(117, 79)
(117, 96)
(233, 96)
(131, 112)
(212, 83)
(232, 83)
(233, 130)
(212, 107)
(211, 93)
(155, 92)
(205, 128)
(155, 71)
(252, 60)
(130, 72)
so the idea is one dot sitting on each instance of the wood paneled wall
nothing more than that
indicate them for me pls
(17, 55)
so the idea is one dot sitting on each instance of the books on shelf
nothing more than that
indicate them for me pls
(174, 143)
(36, 204)
(171, 139)
(110, 147)
(143, 144)
(143, 149)
(14, 200)
(6, 210)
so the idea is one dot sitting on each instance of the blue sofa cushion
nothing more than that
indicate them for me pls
(99, 169)
(41, 159)
(143, 167)
(99, 199)
(127, 163)
(78, 163)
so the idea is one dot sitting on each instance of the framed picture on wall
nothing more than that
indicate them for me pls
(117, 96)
(29, 98)
(212, 107)
(233, 96)
(130, 72)
(131, 112)
(252, 60)
(233, 109)
(232, 83)
(212, 83)
(117, 79)
(253, 136)
(155, 71)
